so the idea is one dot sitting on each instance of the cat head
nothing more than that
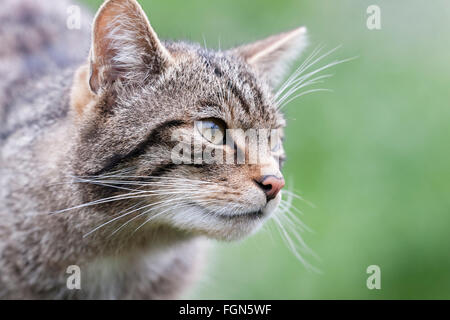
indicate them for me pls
(140, 101)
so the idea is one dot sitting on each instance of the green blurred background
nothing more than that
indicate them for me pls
(373, 155)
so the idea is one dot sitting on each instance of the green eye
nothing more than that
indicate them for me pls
(212, 130)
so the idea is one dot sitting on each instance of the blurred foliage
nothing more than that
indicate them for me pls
(373, 155)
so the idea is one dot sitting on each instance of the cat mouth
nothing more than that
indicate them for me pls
(231, 216)
(250, 214)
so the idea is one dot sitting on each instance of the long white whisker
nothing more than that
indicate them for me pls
(293, 247)
(163, 202)
(298, 71)
(300, 83)
(302, 94)
(160, 213)
(135, 195)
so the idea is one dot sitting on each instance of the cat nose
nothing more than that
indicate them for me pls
(271, 185)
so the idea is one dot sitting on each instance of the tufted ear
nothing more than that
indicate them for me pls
(124, 45)
(272, 56)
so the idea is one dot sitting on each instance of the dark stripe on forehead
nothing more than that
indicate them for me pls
(233, 88)
(249, 78)
(153, 137)
(207, 60)
(210, 64)
(251, 81)
(239, 95)
(258, 96)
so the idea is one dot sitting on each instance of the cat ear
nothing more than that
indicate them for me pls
(272, 56)
(124, 45)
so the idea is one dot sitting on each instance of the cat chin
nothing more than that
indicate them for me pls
(228, 227)
(246, 224)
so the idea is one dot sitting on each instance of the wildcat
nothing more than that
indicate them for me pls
(87, 176)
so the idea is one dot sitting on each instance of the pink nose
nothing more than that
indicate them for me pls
(271, 186)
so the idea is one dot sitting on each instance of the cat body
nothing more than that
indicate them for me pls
(85, 163)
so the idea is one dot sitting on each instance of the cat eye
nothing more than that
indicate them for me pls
(212, 130)
(275, 143)
(275, 146)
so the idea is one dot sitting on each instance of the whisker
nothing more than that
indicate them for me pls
(163, 202)
(160, 213)
(292, 246)
(302, 94)
(301, 83)
(144, 213)
(128, 196)
(298, 71)
(298, 80)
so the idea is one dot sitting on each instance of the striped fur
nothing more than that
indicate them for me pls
(79, 127)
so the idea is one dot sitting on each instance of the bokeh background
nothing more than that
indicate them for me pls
(372, 156)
